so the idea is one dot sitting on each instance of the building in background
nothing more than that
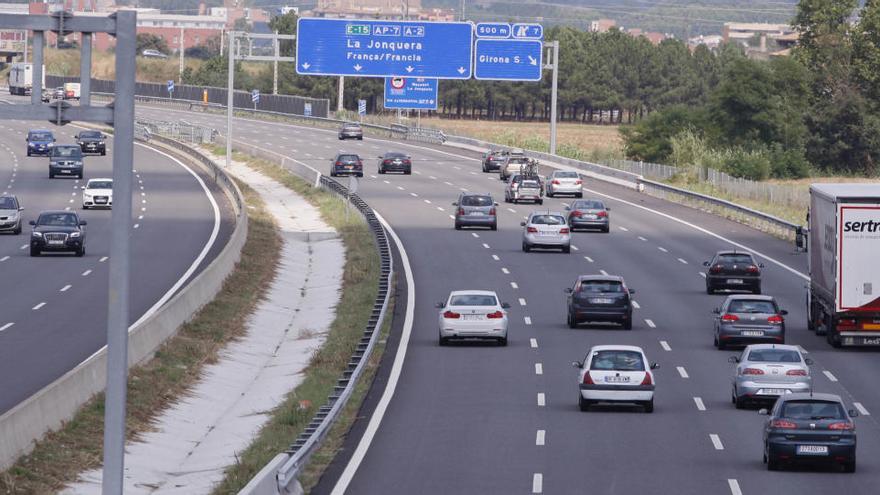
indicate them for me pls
(602, 25)
(380, 9)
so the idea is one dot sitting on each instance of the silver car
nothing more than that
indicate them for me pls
(523, 188)
(766, 371)
(564, 182)
(473, 314)
(10, 214)
(589, 214)
(546, 230)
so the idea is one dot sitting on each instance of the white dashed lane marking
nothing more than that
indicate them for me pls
(575, 248)
(859, 407)
(475, 234)
(534, 343)
(38, 306)
(642, 238)
(650, 323)
(537, 483)
(539, 369)
(663, 249)
(505, 271)
(486, 246)
(86, 273)
(103, 259)
(542, 400)
(681, 371)
(699, 402)
(665, 345)
(716, 441)
(829, 375)
(6, 326)
(734, 487)
(66, 288)
(495, 257)
(540, 437)
(513, 285)
(703, 274)
(623, 229)
(4, 258)
(603, 272)
(636, 305)
(527, 320)
(684, 262)
(588, 259)
(522, 302)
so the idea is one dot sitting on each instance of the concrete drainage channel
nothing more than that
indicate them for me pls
(48, 409)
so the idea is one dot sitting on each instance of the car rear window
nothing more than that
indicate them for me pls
(517, 159)
(351, 126)
(347, 158)
(7, 203)
(600, 286)
(746, 306)
(812, 410)
(473, 300)
(531, 184)
(548, 220)
(612, 360)
(588, 205)
(566, 175)
(739, 259)
(476, 201)
(774, 356)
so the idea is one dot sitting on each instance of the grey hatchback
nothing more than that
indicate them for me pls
(589, 214)
(475, 210)
(599, 298)
(746, 319)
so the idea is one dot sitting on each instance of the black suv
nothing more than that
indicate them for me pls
(599, 298)
(733, 270)
(58, 230)
(92, 142)
(39, 142)
(394, 161)
(347, 164)
(66, 159)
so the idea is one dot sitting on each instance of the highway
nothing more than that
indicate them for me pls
(53, 309)
(486, 419)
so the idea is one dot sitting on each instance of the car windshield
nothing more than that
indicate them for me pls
(774, 356)
(57, 219)
(67, 151)
(739, 259)
(747, 306)
(41, 136)
(612, 360)
(601, 286)
(588, 205)
(348, 158)
(565, 175)
(476, 201)
(7, 203)
(530, 184)
(812, 410)
(473, 300)
(100, 184)
(548, 220)
(90, 135)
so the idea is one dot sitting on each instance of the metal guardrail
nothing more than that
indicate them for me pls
(179, 131)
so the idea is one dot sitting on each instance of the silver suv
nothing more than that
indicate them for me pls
(547, 230)
(475, 210)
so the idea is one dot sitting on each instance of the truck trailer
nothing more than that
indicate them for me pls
(21, 78)
(844, 260)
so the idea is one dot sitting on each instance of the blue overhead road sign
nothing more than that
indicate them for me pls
(355, 47)
(528, 32)
(508, 60)
(493, 30)
(413, 93)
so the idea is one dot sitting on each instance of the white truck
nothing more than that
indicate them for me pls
(21, 78)
(844, 262)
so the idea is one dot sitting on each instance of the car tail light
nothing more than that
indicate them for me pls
(461, 211)
(752, 269)
(578, 182)
(564, 230)
(715, 269)
(360, 164)
(338, 164)
(407, 162)
(796, 373)
(386, 162)
(847, 324)
(845, 425)
(729, 317)
(775, 320)
(492, 212)
(783, 423)
(531, 230)
(576, 214)
(752, 371)
(496, 314)
(555, 182)
(451, 315)
(647, 380)
(602, 214)
(588, 380)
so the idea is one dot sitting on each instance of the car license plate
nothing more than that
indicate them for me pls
(65, 171)
(771, 391)
(752, 333)
(616, 379)
(734, 281)
(547, 234)
(602, 300)
(812, 450)
(100, 201)
(476, 213)
(590, 217)
(56, 243)
(471, 317)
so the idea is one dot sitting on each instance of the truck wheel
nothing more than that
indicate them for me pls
(831, 333)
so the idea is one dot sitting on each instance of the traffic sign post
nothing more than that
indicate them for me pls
(307, 110)
(255, 97)
(362, 107)
(413, 93)
(170, 88)
(508, 60)
(355, 47)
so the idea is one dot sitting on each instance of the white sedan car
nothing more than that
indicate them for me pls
(616, 374)
(97, 193)
(473, 314)
(546, 230)
(565, 182)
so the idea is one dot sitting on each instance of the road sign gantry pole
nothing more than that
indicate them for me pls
(554, 46)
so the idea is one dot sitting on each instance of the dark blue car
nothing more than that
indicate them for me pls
(40, 142)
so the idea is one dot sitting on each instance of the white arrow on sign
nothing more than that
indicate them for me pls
(409, 68)
(306, 66)
(532, 60)
(461, 70)
(358, 67)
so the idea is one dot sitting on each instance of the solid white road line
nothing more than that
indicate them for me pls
(699, 402)
(859, 407)
(734, 487)
(661, 248)
(66, 288)
(636, 305)
(588, 259)
(716, 441)
(829, 375)
(86, 273)
(505, 271)
(665, 345)
(6, 326)
(38, 306)
(539, 369)
(534, 343)
(540, 437)
(522, 302)
(528, 320)
(682, 261)
(650, 323)
(397, 367)
(537, 483)
(513, 285)
(542, 399)
(681, 371)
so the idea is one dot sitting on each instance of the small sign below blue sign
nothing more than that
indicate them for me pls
(493, 30)
(411, 93)
(528, 32)
(508, 60)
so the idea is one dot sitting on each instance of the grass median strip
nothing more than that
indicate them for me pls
(360, 287)
(61, 455)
